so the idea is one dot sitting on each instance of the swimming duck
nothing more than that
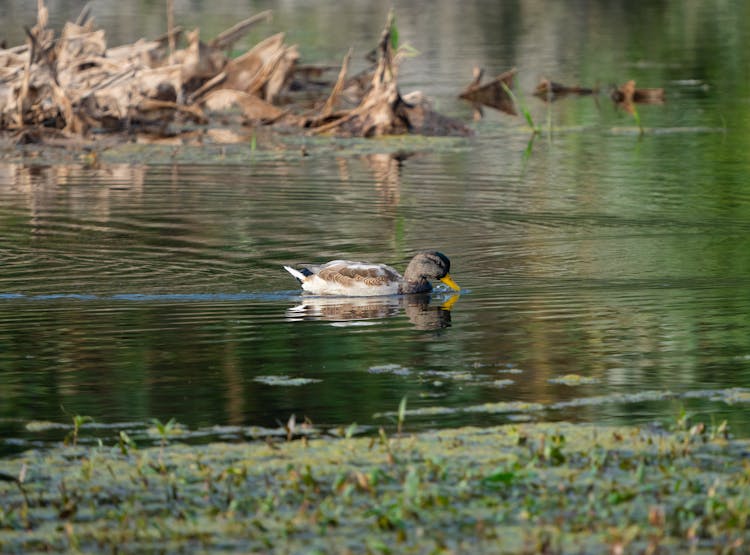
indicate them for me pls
(363, 279)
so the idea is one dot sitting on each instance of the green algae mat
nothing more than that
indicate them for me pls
(523, 488)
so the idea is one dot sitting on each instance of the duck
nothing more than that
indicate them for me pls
(364, 279)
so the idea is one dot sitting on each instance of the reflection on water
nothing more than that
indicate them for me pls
(168, 298)
(358, 310)
(156, 289)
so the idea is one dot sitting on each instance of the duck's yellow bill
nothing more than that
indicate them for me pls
(448, 280)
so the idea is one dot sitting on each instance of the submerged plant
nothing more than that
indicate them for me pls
(637, 118)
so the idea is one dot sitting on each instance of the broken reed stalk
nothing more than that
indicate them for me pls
(338, 87)
(495, 93)
(382, 111)
(170, 26)
(23, 93)
(225, 39)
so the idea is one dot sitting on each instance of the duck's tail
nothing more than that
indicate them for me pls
(299, 276)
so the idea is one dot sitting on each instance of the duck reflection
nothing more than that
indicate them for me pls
(423, 311)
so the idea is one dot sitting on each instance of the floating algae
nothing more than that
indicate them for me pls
(285, 380)
(395, 369)
(573, 379)
(728, 396)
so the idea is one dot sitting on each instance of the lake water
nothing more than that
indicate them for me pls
(146, 286)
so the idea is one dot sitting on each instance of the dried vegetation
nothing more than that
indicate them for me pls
(73, 85)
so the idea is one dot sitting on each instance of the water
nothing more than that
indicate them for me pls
(132, 291)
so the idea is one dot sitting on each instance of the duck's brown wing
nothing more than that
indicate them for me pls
(357, 274)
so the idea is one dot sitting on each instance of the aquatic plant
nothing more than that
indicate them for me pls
(125, 443)
(401, 415)
(78, 421)
(522, 488)
(525, 112)
(164, 430)
(393, 31)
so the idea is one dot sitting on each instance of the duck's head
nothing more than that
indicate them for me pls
(429, 265)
